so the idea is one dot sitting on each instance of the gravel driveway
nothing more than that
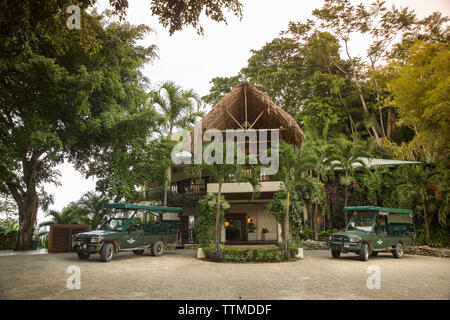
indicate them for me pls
(178, 275)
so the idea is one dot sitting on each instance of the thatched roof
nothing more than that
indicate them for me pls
(246, 104)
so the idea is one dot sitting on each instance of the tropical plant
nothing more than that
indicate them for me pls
(222, 172)
(421, 186)
(346, 155)
(180, 108)
(70, 214)
(294, 166)
(91, 210)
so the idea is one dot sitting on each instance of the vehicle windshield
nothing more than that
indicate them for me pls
(114, 224)
(361, 221)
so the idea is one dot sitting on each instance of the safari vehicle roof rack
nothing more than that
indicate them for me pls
(139, 207)
(382, 209)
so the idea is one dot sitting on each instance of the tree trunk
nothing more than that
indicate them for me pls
(330, 224)
(169, 172)
(27, 202)
(316, 208)
(218, 228)
(345, 204)
(427, 225)
(27, 221)
(166, 185)
(286, 227)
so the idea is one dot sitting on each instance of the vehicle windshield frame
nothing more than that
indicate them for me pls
(108, 222)
(362, 216)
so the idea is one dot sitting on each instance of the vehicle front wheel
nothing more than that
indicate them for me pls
(336, 253)
(158, 249)
(83, 255)
(364, 253)
(107, 252)
(398, 251)
(138, 252)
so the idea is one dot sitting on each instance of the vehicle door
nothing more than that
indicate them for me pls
(380, 232)
(151, 229)
(134, 235)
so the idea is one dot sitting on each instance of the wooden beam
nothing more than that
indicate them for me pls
(234, 119)
(257, 119)
(245, 102)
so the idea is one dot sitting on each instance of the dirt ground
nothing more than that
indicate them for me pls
(179, 275)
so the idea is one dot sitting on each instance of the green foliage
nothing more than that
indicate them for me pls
(204, 227)
(421, 95)
(277, 209)
(381, 187)
(220, 87)
(251, 255)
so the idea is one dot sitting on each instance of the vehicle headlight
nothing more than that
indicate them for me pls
(96, 239)
(355, 239)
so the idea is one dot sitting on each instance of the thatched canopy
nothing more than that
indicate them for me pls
(247, 105)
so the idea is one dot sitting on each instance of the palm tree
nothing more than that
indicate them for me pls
(346, 154)
(319, 145)
(294, 164)
(68, 215)
(222, 173)
(91, 209)
(180, 108)
(421, 180)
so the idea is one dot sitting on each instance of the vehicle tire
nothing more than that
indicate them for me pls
(107, 252)
(83, 255)
(158, 249)
(398, 251)
(364, 253)
(375, 253)
(138, 252)
(336, 253)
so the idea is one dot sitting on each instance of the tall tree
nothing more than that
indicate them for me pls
(222, 172)
(421, 186)
(294, 166)
(180, 108)
(420, 91)
(58, 100)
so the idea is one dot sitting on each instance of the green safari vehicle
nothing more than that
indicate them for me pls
(371, 230)
(148, 227)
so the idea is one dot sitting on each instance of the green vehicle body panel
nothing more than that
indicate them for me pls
(399, 228)
(129, 238)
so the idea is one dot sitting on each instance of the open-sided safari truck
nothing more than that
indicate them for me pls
(131, 228)
(372, 230)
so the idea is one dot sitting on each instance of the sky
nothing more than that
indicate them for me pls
(192, 60)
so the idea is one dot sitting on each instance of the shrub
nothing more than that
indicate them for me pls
(250, 255)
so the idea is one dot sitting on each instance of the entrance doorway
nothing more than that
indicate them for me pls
(235, 227)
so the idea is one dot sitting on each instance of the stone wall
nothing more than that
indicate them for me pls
(315, 245)
(428, 251)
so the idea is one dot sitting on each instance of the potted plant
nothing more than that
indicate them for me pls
(263, 233)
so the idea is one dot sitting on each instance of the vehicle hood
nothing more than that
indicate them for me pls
(99, 233)
(350, 233)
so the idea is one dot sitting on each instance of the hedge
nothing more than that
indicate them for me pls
(252, 255)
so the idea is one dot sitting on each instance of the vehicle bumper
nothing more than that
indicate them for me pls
(345, 246)
(89, 247)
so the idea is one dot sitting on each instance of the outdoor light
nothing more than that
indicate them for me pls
(355, 239)
(227, 223)
(96, 239)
